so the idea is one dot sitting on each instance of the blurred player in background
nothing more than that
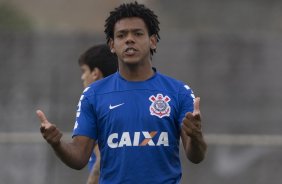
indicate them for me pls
(96, 63)
(137, 115)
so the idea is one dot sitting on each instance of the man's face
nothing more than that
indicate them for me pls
(87, 76)
(132, 42)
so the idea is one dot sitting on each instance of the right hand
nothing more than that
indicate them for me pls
(48, 130)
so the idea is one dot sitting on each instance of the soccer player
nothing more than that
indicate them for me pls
(137, 115)
(96, 63)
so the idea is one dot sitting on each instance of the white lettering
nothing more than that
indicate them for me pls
(79, 106)
(163, 139)
(110, 140)
(147, 140)
(125, 140)
(136, 138)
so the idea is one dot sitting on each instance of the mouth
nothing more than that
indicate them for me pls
(130, 51)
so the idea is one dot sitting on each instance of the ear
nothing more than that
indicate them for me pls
(153, 42)
(111, 45)
(96, 74)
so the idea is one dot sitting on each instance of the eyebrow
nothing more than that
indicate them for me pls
(129, 30)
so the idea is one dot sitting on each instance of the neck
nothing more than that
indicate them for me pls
(136, 72)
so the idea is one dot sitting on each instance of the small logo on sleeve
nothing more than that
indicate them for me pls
(159, 106)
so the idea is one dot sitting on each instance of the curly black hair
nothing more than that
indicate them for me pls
(133, 10)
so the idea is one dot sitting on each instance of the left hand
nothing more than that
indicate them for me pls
(191, 123)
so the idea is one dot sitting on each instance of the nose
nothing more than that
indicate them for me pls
(130, 38)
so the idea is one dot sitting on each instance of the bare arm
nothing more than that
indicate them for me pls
(74, 154)
(93, 177)
(191, 134)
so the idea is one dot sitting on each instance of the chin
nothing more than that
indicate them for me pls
(131, 60)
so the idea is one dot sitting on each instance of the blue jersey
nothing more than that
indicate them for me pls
(137, 125)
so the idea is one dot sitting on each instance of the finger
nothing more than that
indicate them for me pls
(189, 123)
(197, 105)
(42, 129)
(51, 134)
(197, 117)
(46, 127)
(41, 117)
(186, 130)
(192, 117)
(189, 115)
(192, 121)
(191, 129)
(50, 129)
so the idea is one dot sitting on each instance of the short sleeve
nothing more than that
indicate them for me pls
(186, 101)
(86, 121)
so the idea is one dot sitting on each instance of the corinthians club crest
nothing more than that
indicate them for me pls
(159, 106)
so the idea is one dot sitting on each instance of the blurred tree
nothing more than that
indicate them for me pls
(12, 19)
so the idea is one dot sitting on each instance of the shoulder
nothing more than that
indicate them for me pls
(175, 84)
(168, 78)
(102, 86)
